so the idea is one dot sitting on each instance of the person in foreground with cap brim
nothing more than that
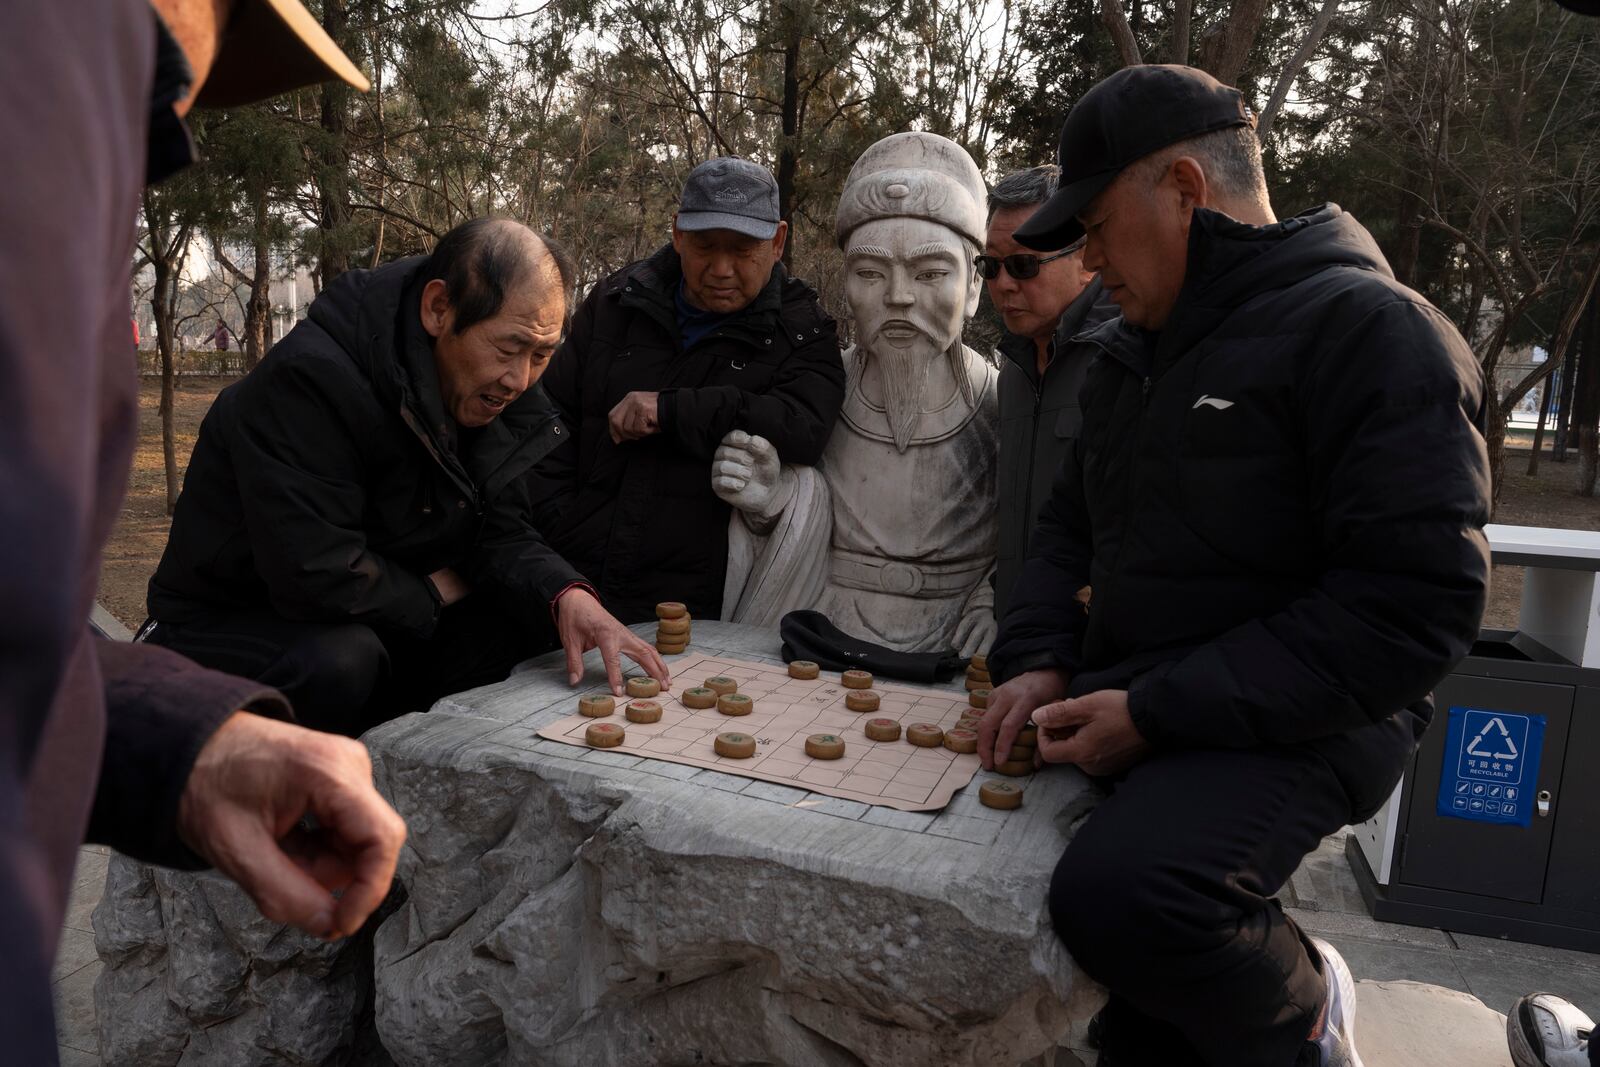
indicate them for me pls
(1278, 499)
(132, 745)
(665, 358)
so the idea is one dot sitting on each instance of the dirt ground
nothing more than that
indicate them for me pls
(141, 533)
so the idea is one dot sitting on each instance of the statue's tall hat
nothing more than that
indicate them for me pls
(915, 175)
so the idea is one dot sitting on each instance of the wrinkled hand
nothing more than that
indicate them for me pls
(583, 624)
(250, 786)
(635, 416)
(746, 472)
(450, 586)
(975, 633)
(1094, 731)
(1010, 705)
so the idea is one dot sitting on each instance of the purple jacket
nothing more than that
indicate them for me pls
(96, 738)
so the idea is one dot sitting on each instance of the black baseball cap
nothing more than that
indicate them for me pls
(728, 193)
(1136, 111)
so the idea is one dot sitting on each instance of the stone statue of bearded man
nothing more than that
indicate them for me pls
(893, 534)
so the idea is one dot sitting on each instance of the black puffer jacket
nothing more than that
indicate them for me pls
(640, 518)
(1040, 418)
(327, 484)
(1278, 501)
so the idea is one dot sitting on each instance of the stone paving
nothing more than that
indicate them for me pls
(77, 966)
(1322, 896)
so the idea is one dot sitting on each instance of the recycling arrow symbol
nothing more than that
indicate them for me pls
(1507, 747)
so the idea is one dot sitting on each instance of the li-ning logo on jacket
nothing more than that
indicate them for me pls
(1212, 402)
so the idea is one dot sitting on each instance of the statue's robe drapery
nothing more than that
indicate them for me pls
(895, 547)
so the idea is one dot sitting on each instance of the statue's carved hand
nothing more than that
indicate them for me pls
(747, 473)
(976, 632)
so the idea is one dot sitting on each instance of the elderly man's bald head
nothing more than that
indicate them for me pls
(495, 300)
(480, 261)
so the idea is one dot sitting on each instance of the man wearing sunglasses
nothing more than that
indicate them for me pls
(1046, 300)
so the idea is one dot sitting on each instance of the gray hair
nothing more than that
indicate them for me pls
(1230, 157)
(1024, 188)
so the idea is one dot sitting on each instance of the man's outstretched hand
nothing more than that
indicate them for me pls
(253, 783)
(1010, 705)
(583, 624)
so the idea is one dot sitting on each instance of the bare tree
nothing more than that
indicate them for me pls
(168, 230)
(1291, 70)
(1493, 121)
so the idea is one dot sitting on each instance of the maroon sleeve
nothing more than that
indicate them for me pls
(161, 709)
(76, 83)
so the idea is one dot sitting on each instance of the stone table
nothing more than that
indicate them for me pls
(569, 906)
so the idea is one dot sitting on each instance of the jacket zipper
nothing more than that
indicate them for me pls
(1130, 500)
(1033, 458)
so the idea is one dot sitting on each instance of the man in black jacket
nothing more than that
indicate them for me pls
(1278, 499)
(354, 526)
(1046, 302)
(665, 358)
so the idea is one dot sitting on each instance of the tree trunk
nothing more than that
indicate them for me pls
(1495, 438)
(788, 156)
(259, 307)
(163, 303)
(1546, 401)
(1182, 14)
(333, 176)
(1408, 233)
(1588, 460)
(1121, 34)
(1225, 47)
(1586, 402)
(1569, 378)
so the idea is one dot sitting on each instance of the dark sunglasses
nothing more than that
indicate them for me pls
(1021, 265)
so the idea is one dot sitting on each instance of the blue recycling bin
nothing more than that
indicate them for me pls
(1495, 828)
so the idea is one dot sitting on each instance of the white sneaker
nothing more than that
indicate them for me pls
(1338, 1042)
(1544, 1030)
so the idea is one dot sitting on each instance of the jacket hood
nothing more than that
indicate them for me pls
(1231, 262)
(372, 315)
(360, 311)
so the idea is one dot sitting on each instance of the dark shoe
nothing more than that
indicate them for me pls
(1545, 1030)
(1125, 1037)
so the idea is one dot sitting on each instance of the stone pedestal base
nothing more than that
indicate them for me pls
(569, 906)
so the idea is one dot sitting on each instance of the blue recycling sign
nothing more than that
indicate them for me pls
(1491, 766)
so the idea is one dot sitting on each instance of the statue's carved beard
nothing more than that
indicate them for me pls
(904, 376)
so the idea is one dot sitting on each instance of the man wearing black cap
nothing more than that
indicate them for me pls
(128, 744)
(665, 358)
(1278, 499)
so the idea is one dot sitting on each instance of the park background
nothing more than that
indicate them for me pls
(1465, 134)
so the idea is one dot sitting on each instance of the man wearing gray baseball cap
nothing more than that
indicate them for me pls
(664, 358)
